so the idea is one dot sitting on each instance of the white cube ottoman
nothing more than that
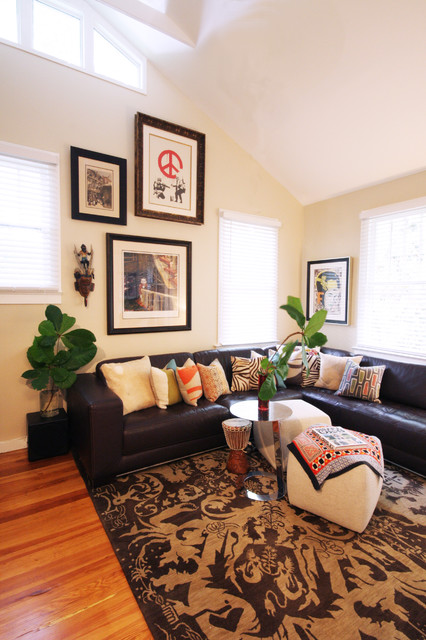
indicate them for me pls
(348, 499)
(304, 415)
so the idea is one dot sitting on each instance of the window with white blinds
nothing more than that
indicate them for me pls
(248, 278)
(30, 225)
(392, 280)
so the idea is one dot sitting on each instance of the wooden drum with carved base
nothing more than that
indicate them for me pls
(237, 435)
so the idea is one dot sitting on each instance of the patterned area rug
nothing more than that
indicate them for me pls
(206, 563)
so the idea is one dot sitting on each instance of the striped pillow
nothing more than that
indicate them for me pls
(189, 382)
(314, 363)
(361, 382)
(245, 373)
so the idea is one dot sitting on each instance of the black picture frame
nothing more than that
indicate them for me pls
(98, 187)
(169, 171)
(328, 288)
(148, 284)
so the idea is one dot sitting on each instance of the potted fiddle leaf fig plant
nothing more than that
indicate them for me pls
(275, 367)
(55, 355)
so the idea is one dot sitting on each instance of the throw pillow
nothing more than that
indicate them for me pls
(189, 381)
(331, 370)
(309, 379)
(295, 366)
(245, 373)
(213, 379)
(165, 387)
(130, 381)
(361, 382)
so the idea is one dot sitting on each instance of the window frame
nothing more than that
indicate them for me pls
(405, 207)
(90, 21)
(37, 295)
(254, 221)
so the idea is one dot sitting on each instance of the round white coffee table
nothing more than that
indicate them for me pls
(249, 410)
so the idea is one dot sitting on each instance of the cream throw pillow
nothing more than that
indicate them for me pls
(130, 381)
(332, 369)
(165, 387)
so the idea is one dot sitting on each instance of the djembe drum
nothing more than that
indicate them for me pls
(237, 435)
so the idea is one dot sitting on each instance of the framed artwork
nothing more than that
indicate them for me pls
(98, 187)
(148, 284)
(328, 288)
(169, 180)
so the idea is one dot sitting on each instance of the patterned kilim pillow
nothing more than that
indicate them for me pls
(213, 379)
(361, 382)
(309, 380)
(245, 373)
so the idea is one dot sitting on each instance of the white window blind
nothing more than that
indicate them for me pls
(248, 278)
(392, 280)
(29, 225)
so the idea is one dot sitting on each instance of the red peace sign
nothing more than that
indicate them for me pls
(165, 162)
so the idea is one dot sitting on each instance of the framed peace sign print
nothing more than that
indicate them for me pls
(170, 162)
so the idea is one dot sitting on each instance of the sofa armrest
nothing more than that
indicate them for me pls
(96, 422)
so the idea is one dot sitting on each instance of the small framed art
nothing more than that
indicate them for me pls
(148, 284)
(169, 180)
(98, 187)
(328, 288)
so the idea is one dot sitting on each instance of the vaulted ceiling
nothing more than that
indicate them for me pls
(329, 96)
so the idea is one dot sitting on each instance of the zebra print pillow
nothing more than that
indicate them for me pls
(245, 373)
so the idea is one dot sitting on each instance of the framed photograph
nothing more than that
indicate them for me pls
(328, 288)
(98, 187)
(148, 284)
(169, 180)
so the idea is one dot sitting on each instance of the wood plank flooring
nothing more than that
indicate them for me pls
(59, 577)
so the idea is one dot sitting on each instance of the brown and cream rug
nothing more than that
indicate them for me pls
(206, 563)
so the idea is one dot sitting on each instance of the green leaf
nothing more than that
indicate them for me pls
(316, 322)
(296, 303)
(317, 340)
(63, 378)
(80, 357)
(54, 314)
(295, 314)
(78, 338)
(268, 388)
(37, 354)
(42, 380)
(46, 342)
(31, 373)
(282, 372)
(67, 323)
(46, 328)
(62, 357)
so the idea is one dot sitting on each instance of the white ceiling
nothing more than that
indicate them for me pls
(329, 96)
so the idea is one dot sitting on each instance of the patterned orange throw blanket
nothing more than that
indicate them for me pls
(325, 452)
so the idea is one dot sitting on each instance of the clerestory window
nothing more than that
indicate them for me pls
(72, 33)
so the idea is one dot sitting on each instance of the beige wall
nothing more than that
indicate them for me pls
(332, 230)
(48, 106)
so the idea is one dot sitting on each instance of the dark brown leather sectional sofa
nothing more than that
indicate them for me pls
(108, 443)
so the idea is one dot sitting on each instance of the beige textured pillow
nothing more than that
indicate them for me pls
(130, 381)
(213, 379)
(332, 369)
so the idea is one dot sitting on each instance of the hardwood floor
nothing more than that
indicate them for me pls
(59, 577)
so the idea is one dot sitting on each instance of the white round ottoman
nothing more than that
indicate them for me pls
(348, 499)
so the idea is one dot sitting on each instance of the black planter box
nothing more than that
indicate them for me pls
(47, 437)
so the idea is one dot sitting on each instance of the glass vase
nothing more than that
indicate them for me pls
(263, 405)
(50, 402)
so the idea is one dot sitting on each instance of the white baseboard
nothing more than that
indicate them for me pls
(13, 445)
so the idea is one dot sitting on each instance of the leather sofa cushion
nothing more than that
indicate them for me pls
(155, 428)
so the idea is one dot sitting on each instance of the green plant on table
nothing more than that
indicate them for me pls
(57, 352)
(276, 366)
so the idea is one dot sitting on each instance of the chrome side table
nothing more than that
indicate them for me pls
(248, 409)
